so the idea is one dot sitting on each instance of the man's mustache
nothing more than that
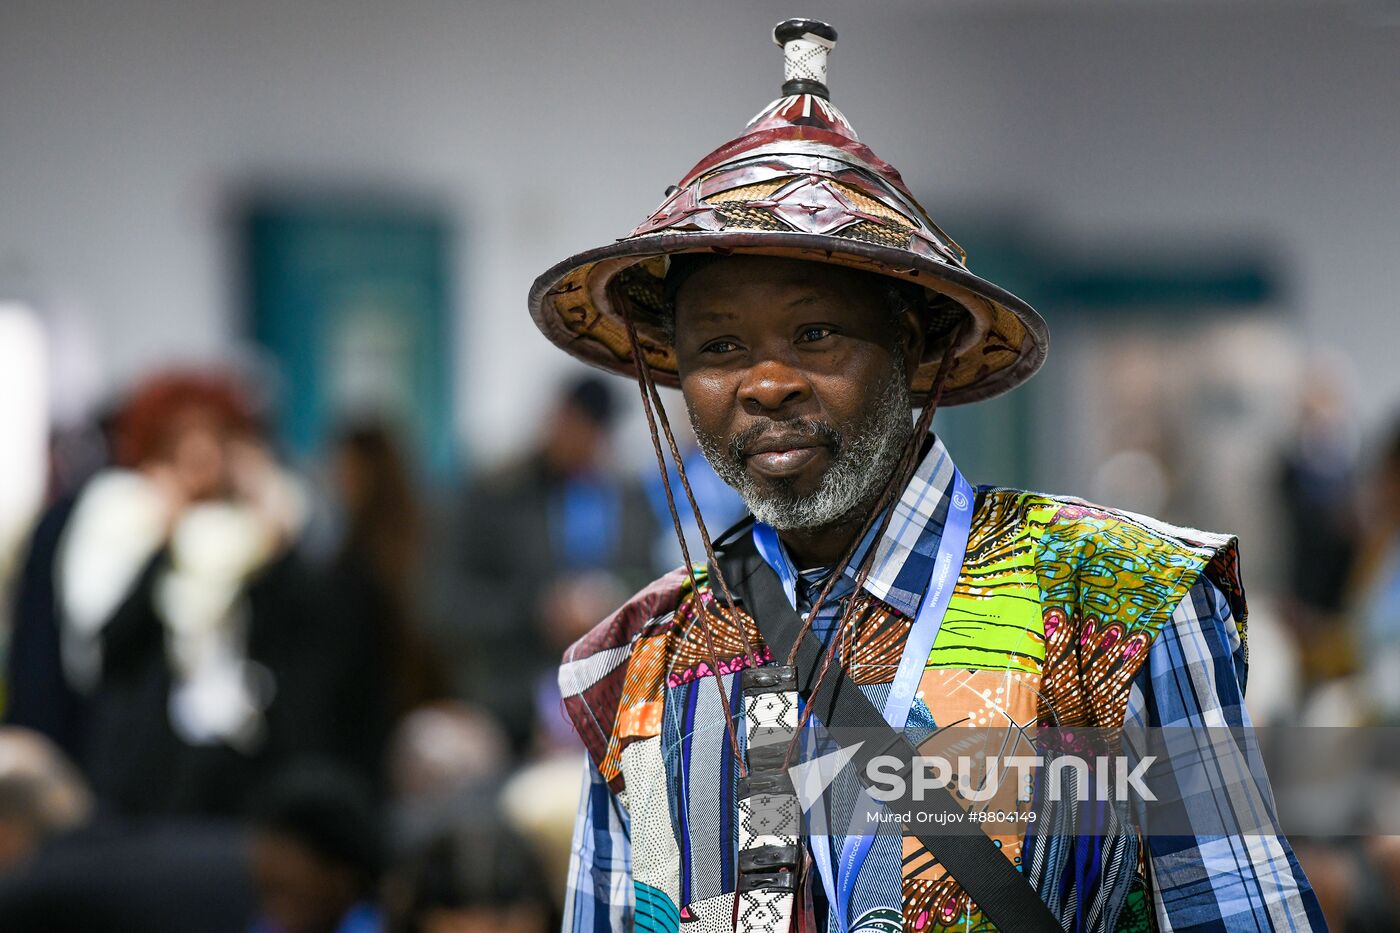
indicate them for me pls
(740, 443)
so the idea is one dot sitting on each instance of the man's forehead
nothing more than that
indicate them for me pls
(781, 284)
(720, 301)
(755, 270)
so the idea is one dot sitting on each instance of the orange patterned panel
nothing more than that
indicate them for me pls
(639, 709)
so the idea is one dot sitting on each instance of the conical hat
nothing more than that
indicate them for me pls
(797, 183)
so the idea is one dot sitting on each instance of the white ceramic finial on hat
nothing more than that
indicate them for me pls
(805, 44)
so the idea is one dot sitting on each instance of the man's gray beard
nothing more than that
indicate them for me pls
(862, 463)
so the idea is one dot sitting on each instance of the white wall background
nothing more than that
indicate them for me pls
(548, 126)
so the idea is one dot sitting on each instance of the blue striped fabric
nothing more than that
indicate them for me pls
(600, 892)
(1194, 677)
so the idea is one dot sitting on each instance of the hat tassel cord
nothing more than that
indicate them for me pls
(702, 617)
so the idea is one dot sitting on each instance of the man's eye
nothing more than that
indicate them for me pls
(719, 346)
(811, 334)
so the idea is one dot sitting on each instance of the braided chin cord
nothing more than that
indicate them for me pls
(715, 570)
(651, 406)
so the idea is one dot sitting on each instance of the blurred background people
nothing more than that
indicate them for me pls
(317, 853)
(479, 878)
(546, 546)
(1377, 602)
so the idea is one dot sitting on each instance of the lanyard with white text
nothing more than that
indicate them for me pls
(947, 565)
(952, 547)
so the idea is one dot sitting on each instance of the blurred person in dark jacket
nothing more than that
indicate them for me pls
(546, 543)
(38, 694)
(64, 871)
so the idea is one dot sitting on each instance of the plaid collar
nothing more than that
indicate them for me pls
(906, 552)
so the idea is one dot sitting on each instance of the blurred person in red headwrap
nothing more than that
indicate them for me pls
(187, 624)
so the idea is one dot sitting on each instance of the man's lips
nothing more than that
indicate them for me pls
(784, 462)
(782, 456)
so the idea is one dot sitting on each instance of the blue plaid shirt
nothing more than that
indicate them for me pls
(1194, 676)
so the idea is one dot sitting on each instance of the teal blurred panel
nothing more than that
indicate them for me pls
(352, 303)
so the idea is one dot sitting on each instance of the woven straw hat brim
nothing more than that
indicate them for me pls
(578, 305)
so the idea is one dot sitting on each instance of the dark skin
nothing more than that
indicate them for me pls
(760, 340)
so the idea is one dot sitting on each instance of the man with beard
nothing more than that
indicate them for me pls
(805, 305)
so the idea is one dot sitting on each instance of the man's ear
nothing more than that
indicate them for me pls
(914, 323)
(933, 347)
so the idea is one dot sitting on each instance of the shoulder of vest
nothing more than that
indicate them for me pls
(1069, 518)
(594, 668)
(1069, 528)
(1110, 581)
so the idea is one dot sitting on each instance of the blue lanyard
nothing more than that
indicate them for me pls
(947, 564)
(952, 547)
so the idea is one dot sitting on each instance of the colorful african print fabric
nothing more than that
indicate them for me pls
(1064, 613)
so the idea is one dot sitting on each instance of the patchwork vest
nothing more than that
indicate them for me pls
(1055, 609)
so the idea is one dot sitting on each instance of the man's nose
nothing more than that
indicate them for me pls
(772, 386)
